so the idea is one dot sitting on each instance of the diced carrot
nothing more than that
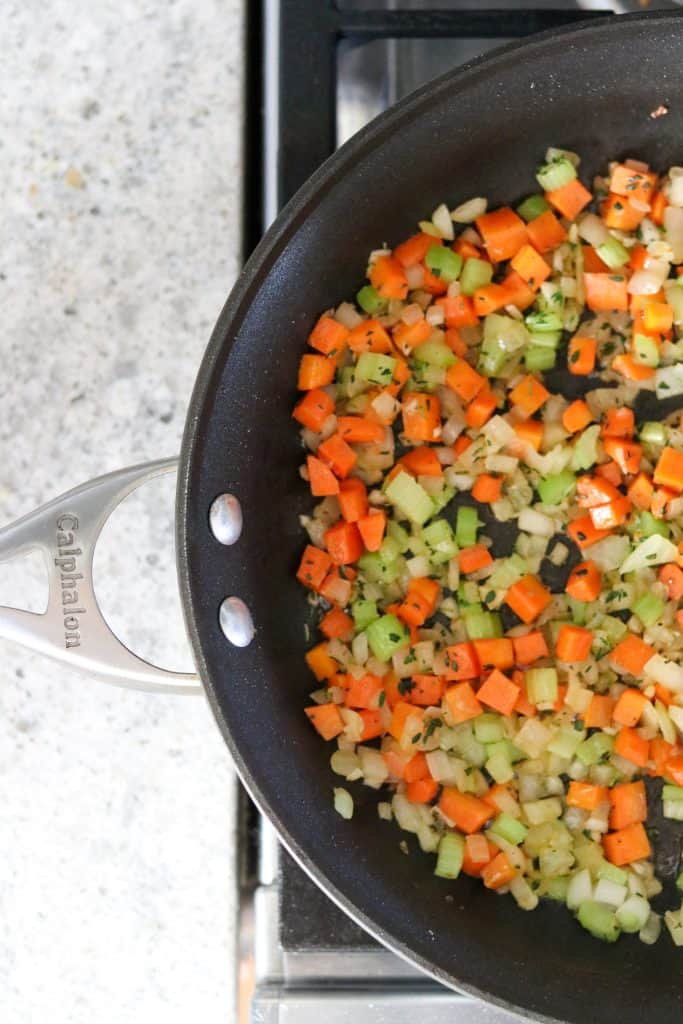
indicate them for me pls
(658, 317)
(529, 395)
(373, 724)
(487, 488)
(415, 248)
(498, 872)
(594, 490)
(626, 454)
(573, 643)
(313, 409)
(497, 796)
(629, 804)
(530, 266)
(353, 499)
(581, 355)
(638, 256)
(586, 795)
(387, 277)
(585, 582)
(481, 408)
(459, 311)
(576, 416)
(335, 589)
(569, 199)
(320, 663)
(453, 339)
(528, 598)
(499, 692)
(369, 336)
(561, 695)
(392, 694)
(612, 514)
(467, 250)
(605, 292)
(661, 498)
(592, 264)
(314, 567)
(474, 558)
(315, 372)
(336, 623)
(363, 692)
(626, 845)
(327, 719)
(609, 471)
(631, 654)
(359, 430)
(421, 416)
(427, 691)
(321, 478)
(619, 422)
(598, 714)
(519, 293)
(464, 380)
(657, 207)
(462, 702)
(629, 707)
(523, 705)
(489, 298)
(408, 336)
(400, 714)
(669, 470)
(338, 455)
(530, 648)
(422, 792)
(546, 232)
(630, 369)
(328, 336)
(420, 601)
(660, 752)
(531, 432)
(416, 768)
(673, 769)
(478, 852)
(640, 492)
(401, 375)
(583, 533)
(343, 541)
(631, 745)
(503, 231)
(672, 578)
(661, 693)
(467, 812)
(422, 461)
(462, 444)
(625, 181)
(618, 213)
(462, 661)
(372, 528)
(492, 654)
(432, 284)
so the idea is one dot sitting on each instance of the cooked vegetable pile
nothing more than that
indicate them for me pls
(496, 555)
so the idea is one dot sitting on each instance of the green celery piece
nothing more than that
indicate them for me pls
(466, 525)
(387, 635)
(509, 828)
(544, 321)
(555, 174)
(377, 571)
(596, 748)
(556, 888)
(541, 685)
(409, 498)
(579, 610)
(439, 538)
(538, 359)
(376, 368)
(612, 873)
(645, 350)
(399, 534)
(600, 920)
(670, 792)
(648, 608)
(545, 339)
(644, 524)
(475, 274)
(555, 488)
(499, 766)
(488, 727)
(653, 432)
(481, 625)
(435, 353)
(468, 594)
(532, 207)
(389, 551)
(443, 262)
(585, 452)
(613, 253)
(364, 612)
(442, 499)
(369, 300)
(450, 855)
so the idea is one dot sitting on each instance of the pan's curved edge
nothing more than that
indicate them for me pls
(218, 349)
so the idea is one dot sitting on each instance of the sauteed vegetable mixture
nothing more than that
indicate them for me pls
(496, 552)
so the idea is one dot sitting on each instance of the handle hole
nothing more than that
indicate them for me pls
(134, 576)
(23, 582)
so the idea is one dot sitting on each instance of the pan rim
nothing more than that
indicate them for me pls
(218, 351)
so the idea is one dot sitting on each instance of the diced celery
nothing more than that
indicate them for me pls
(358, 404)
(612, 873)
(541, 685)
(648, 608)
(613, 253)
(389, 550)
(672, 809)
(499, 767)
(565, 742)
(369, 300)
(538, 359)
(482, 625)
(645, 350)
(436, 353)
(644, 524)
(364, 612)
(350, 382)
(491, 361)
(585, 452)
(439, 538)
(443, 262)
(466, 525)
(579, 610)
(555, 174)
(426, 376)
(475, 274)
(543, 321)
(445, 495)
(653, 433)
(556, 888)
(670, 792)
(488, 727)
(508, 571)
(532, 207)
(654, 550)
(504, 332)
(468, 594)
(600, 920)
(377, 571)
(409, 498)
(387, 635)
(399, 534)
(596, 748)
(545, 339)
(376, 368)
(633, 913)
(450, 855)
(555, 488)
(509, 829)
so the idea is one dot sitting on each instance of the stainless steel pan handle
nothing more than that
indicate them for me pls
(73, 629)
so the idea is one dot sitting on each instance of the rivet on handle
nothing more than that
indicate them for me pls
(236, 622)
(225, 519)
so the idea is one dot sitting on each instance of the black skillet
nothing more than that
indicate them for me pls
(478, 131)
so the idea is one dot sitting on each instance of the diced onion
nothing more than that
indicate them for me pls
(468, 212)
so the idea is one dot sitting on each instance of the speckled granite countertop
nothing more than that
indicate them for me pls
(119, 155)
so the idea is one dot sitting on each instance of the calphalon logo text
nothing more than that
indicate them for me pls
(66, 562)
